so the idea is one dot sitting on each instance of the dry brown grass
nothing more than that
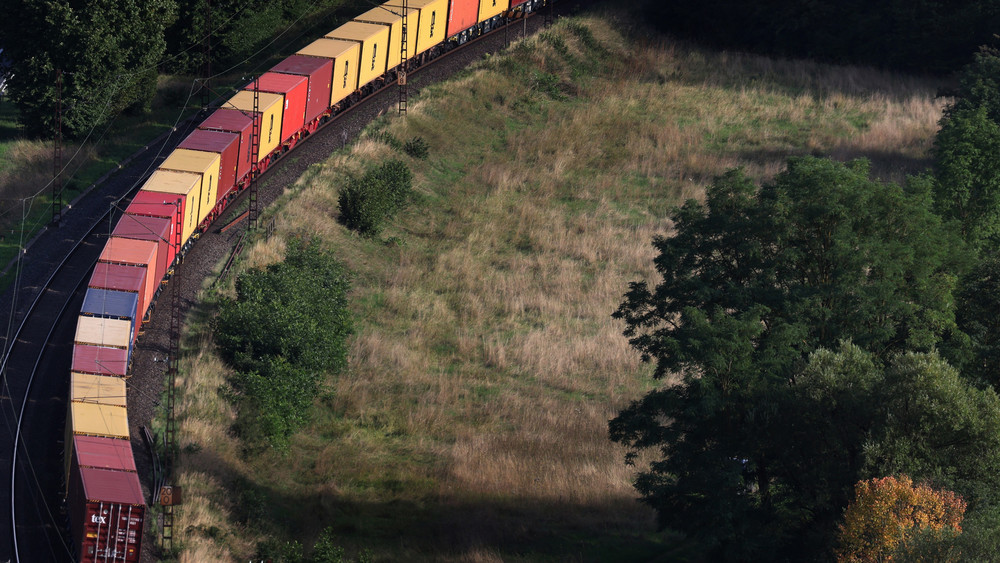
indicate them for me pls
(471, 424)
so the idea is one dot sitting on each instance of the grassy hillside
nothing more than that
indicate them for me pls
(471, 424)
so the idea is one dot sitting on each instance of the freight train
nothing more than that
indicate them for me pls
(188, 191)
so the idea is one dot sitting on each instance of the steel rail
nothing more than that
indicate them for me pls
(27, 391)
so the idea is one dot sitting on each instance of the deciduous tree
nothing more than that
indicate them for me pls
(108, 51)
(752, 282)
(887, 512)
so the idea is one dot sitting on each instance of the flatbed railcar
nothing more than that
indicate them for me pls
(189, 190)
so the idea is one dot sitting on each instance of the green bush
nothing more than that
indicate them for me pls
(287, 326)
(367, 202)
(417, 148)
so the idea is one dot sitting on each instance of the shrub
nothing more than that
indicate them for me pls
(287, 326)
(417, 148)
(367, 202)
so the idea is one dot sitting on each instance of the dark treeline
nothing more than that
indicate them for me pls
(110, 52)
(914, 35)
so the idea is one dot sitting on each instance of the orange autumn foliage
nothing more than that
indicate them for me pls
(886, 512)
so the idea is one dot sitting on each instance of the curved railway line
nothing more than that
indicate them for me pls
(37, 359)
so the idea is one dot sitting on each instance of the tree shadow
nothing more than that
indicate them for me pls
(446, 527)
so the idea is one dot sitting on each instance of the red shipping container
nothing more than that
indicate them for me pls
(121, 278)
(223, 143)
(107, 513)
(234, 121)
(515, 3)
(320, 75)
(99, 360)
(163, 205)
(462, 14)
(150, 228)
(294, 89)
(103, 453)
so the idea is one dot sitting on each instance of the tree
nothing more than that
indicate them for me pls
(287, 326)
(107, 50)
(752, 282)
(887, 512)
(968, 174)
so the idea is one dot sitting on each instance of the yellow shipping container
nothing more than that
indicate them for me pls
(207, 165)
(185, 184)
(345, 55)
(393, 17)
(490, 8)
(94, 419)
(100, 389)
(432, 24)
(374, 41)
(115, 333)
(271, 107)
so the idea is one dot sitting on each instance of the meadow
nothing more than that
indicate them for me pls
(471, 423)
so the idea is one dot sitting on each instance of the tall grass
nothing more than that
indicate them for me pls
(472, 422)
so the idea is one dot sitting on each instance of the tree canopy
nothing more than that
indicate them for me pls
(287, 327)
(752, 282)
(108, 51)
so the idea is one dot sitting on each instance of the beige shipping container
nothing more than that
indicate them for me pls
(100, 389)
(185, 184)
(374, 42)
(98, 331)
(207, 165)
(271, 108)
(345, 56)
(393, 17)
(431, 25)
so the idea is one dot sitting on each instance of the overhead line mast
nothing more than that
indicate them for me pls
(57, 154)
(403, 59)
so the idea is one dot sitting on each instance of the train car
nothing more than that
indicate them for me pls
(373, 39)
(98, 360)
(207, 166)
(227, 120)
(319, 76)
(120, 277)
(463, 15)
(96, 389)
(161, 205)
(94, 419)
(270, 108)
(345, 56)
(430, 27)
(161, 230)
(294, 90)
(168, 187)
(392, 17)
(104, 332)
(138, 253)
(109, 304)
(226, 144)
(490, 12)
(107, 514)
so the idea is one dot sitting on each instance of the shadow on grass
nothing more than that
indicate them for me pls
(448, 528)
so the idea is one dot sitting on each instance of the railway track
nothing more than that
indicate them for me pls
(37, 363)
